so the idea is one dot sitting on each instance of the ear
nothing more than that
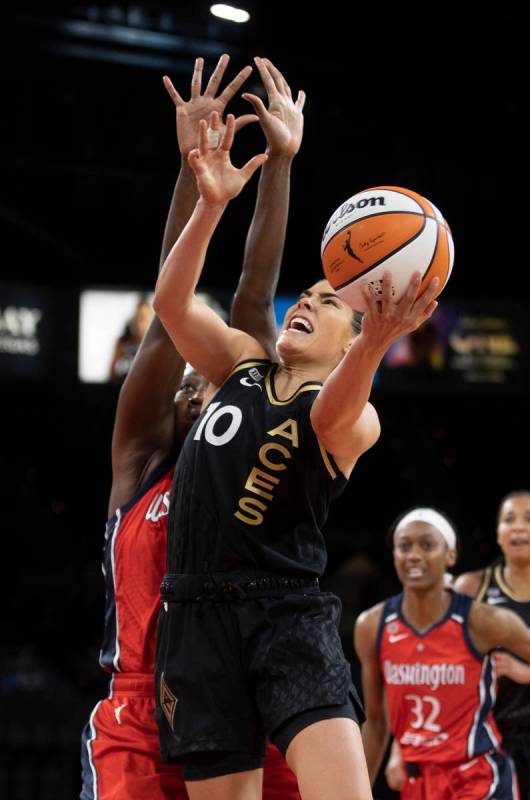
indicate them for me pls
(451, 558)
(347, 346)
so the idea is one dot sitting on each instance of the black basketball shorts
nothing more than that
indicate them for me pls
(235, 667)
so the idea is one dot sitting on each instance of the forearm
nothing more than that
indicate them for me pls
(266, 236)
(183, 201)
(375, 735)
(182, 268)
(346, 391)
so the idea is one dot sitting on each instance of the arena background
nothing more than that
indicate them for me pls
(423, 99)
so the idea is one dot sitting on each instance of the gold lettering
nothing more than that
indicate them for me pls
(259, 478)
(288, 429)
(264, 458)
(249, 506)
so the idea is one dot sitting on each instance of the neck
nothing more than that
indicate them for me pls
(425, 607)
(517, 576)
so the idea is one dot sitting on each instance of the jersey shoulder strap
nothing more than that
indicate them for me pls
(391, 611)
(485, 584)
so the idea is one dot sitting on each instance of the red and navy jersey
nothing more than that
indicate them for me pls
(440, 689)
(134, 560)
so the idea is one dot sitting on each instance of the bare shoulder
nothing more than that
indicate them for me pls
(365, 629)
(469, 582)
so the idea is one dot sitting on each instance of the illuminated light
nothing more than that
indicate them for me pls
(229, 12)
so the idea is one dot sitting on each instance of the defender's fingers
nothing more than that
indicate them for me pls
(281, 83)
(266, 77)
(251, 166)
(172, 92)
(228, 138)
(300, 100)
(244, 120)
(216, 76)
(257, 102)
(196, 78)
(234, 85)
(203, 137)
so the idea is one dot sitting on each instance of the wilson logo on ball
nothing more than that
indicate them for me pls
(385, 228)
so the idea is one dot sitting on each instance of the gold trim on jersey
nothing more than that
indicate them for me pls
(504, 586)
(248, 365)
(325, 459)
(269, 386)
(483, 588)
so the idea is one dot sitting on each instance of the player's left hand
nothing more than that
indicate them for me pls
(283, 121)
(510, 667)
(386, 319)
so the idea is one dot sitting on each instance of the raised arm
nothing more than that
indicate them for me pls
(282, 123)
(342, 417)
(144, 429)
(375, 730)
(198, 333)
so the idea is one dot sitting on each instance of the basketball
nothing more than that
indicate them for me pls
(385, 228)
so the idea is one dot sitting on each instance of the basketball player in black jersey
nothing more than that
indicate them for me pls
(248, 647)
(151, 423)
(507, 584)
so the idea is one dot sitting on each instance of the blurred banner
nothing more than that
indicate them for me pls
(25, 331)
(464, 345)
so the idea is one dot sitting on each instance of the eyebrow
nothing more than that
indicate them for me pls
(322, 295)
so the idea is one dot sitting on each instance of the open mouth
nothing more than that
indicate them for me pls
(519, 540)
(415, 572)
(300, 325)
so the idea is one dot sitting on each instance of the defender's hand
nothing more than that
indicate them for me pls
(283, 121)
(200, 105)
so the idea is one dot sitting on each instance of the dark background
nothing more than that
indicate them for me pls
(421, 98)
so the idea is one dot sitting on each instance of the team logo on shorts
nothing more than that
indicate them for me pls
(168, 701)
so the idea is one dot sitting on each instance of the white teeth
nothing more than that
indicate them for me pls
(300, 322)
(414, 573)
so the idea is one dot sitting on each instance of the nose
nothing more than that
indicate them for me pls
(197, 397)
(306, 302)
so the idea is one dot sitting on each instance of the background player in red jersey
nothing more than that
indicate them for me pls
(428, 650)
(506, 584)
(120, 743)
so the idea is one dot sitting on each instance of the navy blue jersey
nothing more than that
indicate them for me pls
(253, 485)
(513, 699)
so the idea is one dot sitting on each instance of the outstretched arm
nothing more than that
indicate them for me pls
(282, 123)
(144, 429)
(375, 730)
(198, 333)
(341, 415)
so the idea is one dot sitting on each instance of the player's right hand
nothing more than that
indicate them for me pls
(395, 773)
(218, 181)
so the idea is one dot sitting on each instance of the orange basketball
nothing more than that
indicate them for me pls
(385, 228)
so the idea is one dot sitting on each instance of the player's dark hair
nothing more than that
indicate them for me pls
(356, 321)
(515, 493)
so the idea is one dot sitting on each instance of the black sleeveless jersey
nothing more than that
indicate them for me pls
(513, 699)
(252, 486)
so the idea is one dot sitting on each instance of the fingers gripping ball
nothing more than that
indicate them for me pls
(385, 228)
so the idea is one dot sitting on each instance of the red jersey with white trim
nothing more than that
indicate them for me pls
(439, 689)
(134, 561)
